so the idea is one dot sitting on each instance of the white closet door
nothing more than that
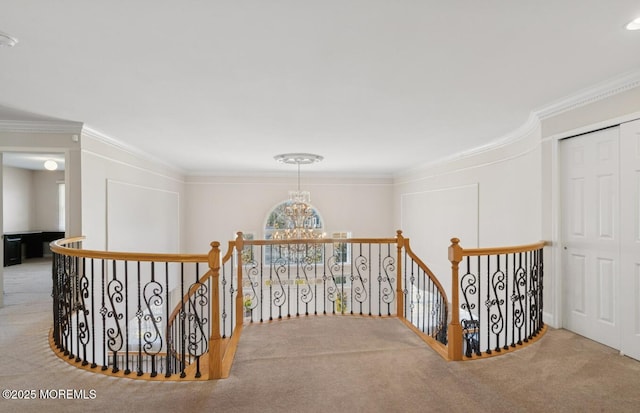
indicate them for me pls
(590, 228)
(630, 234)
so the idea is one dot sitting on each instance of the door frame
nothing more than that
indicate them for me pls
(557, 264)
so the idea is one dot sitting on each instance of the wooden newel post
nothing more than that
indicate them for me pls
(399, 292)
(454, 333)
(215, 341)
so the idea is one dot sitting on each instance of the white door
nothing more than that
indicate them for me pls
(590, 233)
(630, 235)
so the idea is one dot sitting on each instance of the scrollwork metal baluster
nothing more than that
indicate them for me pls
(497, 320)
(279, 295)
(471, 327)
(359, 290)
(250, 299)
(305, 291)
(197, 337)
(333, 293)
(83, 326)
(518, 297)
(153, 299)
(103, 313)
(114, 335)
(388, 280)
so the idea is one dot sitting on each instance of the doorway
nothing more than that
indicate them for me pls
(33, 204)
(600, 215)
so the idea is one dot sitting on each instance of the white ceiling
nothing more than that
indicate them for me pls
(376, 87)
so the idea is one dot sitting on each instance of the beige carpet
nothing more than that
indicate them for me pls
(319, 364)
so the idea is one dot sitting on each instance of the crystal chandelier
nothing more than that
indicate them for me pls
(301, 220)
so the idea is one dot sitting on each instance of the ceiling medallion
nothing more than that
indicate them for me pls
(298, 158)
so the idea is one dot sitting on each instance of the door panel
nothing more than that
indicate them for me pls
(630, 233)
(590, 229)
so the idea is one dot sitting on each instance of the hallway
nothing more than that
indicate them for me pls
(318, 364)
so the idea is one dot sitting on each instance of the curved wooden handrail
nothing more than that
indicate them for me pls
(59, 247)
(186, 297)
(471, 252)
(426, 269)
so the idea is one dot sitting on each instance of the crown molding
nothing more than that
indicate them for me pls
(20, 126)
(132, 150)
(524, 130)
(593, 94)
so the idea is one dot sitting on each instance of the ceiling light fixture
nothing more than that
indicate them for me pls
(301, 222)
(51, 165)
(7, 40)
(634, 25)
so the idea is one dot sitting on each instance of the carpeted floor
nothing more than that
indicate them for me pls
(318, 364)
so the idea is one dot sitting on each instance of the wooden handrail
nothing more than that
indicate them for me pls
(426, 269)
(60, 248)
(473, 252)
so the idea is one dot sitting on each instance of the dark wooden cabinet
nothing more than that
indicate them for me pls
(33, 241)
(12, 250)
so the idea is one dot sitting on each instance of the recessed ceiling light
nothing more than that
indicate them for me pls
(7, 41)
(51, 165)
(634, 25)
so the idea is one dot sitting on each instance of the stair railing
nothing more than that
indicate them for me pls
(497, 299)
(181, 315)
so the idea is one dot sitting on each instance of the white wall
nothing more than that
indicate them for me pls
(30, 199)
(490, 199)
(129, 203)
(219, 207)
(18, 195)
(45, 188)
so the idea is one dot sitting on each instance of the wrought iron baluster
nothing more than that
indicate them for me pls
(127, 369)
(470, 286)
(405, 289)
(181, 333)
(497, 319)
(389, 267)
(103, 313)
(358, 286)
(115, 294)
(83, 327)
(528, 297)
(166, 307)
(370, 277)
(520, 283)
(380, 259)
(488, 304)
(261, 264)
(325, 287)
(505, 301)
(139, 315)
